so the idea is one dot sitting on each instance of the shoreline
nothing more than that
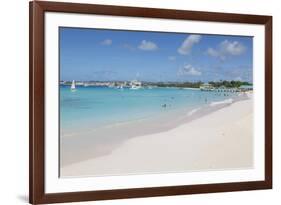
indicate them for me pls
(204, 109)
(224, 143)
(76, 150)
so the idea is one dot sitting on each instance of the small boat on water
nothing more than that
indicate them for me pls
(120, 87)
(73, 88)
(135, 85)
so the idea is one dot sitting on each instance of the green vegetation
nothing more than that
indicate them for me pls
(229, 84)
(176, 84)
(226, 84)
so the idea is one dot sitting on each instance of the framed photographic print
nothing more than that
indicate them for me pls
(139, 102)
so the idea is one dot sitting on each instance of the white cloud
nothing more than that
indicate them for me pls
(232, 48)
(188, 43)
(189, 70)
(172, 58)
(212, 52)
(147, 46)
(227, 48)
(106, 42)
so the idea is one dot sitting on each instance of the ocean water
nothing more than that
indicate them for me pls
(91, 107)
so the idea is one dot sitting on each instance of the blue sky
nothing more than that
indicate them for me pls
(97, 54)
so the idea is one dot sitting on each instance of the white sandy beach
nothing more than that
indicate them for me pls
(222, 139)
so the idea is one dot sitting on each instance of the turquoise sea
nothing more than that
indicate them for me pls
(91, 107)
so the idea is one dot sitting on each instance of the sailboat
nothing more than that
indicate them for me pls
(73, 88)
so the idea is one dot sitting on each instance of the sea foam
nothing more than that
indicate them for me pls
(193, 111)
(227, 101)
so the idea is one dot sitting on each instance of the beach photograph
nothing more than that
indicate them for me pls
(147, 102)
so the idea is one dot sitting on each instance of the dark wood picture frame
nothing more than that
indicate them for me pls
(37, 193)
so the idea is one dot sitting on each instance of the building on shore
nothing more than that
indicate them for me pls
(207, 87)
(210, 87)
(244, 88)
(225, 89)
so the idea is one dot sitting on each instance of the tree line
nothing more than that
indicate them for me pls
(215, 84)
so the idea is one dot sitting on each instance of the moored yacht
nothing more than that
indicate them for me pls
(135, 85)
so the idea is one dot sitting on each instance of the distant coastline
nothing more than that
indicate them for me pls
(185, 84)
(235, 86)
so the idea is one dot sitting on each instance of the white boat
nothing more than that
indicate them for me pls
(207, 87)
(120, 87)
(73, 88)
(135, 85)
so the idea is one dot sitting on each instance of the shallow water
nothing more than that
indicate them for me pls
(92, 107)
